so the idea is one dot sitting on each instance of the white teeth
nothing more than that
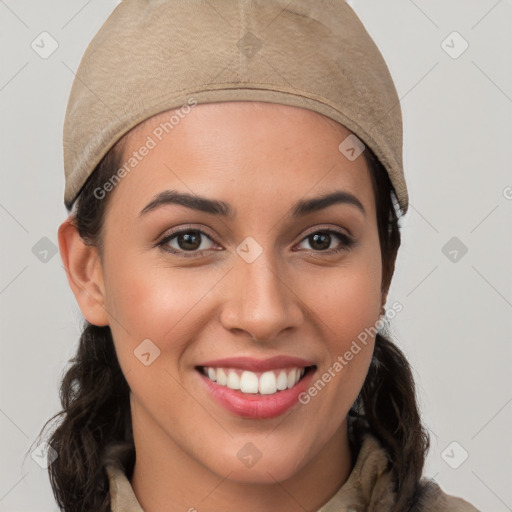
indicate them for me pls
(233, 381)
(282, 380)
(291, 378)
(249, 382)
(267, 383)
(221, 377)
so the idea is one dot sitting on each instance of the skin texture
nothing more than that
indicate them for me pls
(294, 299)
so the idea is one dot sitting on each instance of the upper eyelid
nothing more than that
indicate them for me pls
(338, 230)
(171, 234)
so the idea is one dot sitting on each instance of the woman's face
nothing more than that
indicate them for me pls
(267, 289)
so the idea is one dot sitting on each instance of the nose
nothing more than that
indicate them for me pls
(261, 301)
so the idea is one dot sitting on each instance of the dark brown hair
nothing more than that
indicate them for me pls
(94, 394)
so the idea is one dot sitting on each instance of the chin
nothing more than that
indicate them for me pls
(266, 470)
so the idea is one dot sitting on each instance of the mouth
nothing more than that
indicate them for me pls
(255, 389)
(256, 383)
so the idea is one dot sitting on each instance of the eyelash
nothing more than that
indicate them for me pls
(347, 242)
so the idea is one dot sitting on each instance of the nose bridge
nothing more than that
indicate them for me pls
(261, 302)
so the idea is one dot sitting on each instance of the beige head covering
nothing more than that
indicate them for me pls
(155, 55)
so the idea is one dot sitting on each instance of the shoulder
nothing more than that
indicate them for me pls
(431, 498)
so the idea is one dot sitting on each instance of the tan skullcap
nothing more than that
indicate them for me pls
(155, 55)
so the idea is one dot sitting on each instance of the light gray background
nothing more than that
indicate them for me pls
(456, 323)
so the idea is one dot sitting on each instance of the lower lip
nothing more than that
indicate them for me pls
(256, 406)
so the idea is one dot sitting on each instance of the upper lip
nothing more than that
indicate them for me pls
(258, 365)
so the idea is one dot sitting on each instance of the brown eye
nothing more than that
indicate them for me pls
(186, 240)
(189, 241)
(320, 241)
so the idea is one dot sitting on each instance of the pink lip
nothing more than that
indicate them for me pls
(253, 405)
(258, 365)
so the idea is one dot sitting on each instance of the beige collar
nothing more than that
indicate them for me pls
(368, 488)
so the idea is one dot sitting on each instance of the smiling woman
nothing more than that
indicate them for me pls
(242, 266)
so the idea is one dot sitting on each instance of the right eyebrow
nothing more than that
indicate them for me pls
(193, 202)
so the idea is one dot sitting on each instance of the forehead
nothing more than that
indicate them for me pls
(242, 151)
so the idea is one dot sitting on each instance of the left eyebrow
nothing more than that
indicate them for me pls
(216, 207)
(306, 206)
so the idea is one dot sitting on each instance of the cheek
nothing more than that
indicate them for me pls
(155, 310)
(152, 301)
(346, 298)
(345, 305)
(349, 310)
